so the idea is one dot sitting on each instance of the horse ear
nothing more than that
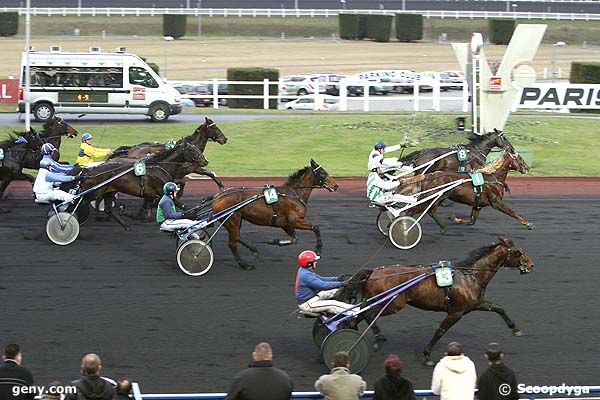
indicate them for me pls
(206, 120)
(312, 162)
(505, 241)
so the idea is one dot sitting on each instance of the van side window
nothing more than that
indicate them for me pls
(139, 76)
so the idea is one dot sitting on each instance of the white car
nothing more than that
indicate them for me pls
(429, 79)
(308, 103)
(456, 77)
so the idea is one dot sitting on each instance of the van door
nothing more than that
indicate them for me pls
(144, 89)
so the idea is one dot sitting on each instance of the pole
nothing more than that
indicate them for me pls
(165, 59)
(27, 68)
(403, 5)
(295, 4)
(553, 62)
(79, 4)
(199, 6)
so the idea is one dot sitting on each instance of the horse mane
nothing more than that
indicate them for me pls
(10, 141)
(477, 139)
(475, 255)
(492, 167)
(161, 155)
(296, 176)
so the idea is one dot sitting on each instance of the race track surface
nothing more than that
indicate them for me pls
(120, 294)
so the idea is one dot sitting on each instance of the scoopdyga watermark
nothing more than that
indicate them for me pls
(522, 388)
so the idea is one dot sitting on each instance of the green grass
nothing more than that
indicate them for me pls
(277, 147)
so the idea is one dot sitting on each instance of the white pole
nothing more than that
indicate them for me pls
(27, 73)
(266, 94)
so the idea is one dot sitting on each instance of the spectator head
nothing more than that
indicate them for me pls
(91, 365)
(47, 393)
(493, 352)
(341, 359)
(13, 352)
(262, 352)
(455, 349)
(124, 386)
(393, 366)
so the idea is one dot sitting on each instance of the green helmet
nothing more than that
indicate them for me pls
(170, 187)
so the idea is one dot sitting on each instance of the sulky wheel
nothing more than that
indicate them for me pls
(344, 340)
(195, 257)
(384, 220)
(405, 232)
(62, 228)
(319, 332)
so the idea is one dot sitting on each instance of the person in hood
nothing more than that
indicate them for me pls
(498, 382)
(92, 386)
(392, 386)
(454, 377)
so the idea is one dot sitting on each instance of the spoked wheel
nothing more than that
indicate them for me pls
(195, 257)
(401, 236)
(62, 234)
(343, 340)
(319, 332)
(384, 220)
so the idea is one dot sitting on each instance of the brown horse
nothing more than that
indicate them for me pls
(467, 293)
(491, 193)
(479, 147)
(288, 213)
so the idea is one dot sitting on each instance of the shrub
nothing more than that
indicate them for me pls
(409, 27)
(9, 23)
(585, 72)
(251, 74)
(174, 25)
(500, 30)
(379, 27)
(352, 26)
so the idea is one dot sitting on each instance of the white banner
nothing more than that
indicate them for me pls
(559, 95)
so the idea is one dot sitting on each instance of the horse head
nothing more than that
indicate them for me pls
(499, 139)
(517, 162)
(58, 127)
(211, 131)
(193, 154)
(321, 178)
(516, 259)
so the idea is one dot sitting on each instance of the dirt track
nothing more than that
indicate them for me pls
(119, 294)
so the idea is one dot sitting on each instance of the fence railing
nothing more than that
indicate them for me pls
(283, 12)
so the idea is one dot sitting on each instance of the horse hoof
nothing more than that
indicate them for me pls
(247, 267)
(273, 241)
(530, 226)
(127, 228)
(255, 253)
(428, 362)
(443, 232)
(517, 332)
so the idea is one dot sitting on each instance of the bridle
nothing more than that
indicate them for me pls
(318, 179)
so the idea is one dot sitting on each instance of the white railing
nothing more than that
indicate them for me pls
(282, 12)
(419, 101)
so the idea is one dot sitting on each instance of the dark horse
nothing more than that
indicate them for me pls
(467, 293)
(288, 213)
(161, 168)
(491, 194)
(479, 147)
(203, 133)
(27, 154)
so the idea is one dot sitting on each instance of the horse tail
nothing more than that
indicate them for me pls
(120, 152)
(354, 291)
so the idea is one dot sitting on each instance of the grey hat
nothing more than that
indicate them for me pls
(493, 348)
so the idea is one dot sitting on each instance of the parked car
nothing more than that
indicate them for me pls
(333, 88)
(431, 78)
(456, 77)
(198, 93)
(308, 103)
(301, 85)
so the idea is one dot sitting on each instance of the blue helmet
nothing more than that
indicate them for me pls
(170, 187)
(45, 162)
(86, 136)
(379, 145)
(47, 148)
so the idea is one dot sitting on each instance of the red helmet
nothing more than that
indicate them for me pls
(307, 258)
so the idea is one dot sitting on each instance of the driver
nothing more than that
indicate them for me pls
(381, 187)
(47, 150)
(167, 215)
(43, 187)
(314, 292)
(88, 153)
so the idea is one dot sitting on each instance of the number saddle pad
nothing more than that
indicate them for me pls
(462, 153)
(477, 178)
(139, 168)
(443, 273)
(170, 144)
(1, 154)
(270, 194)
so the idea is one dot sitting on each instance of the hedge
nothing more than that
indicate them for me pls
(352, 26)
(152, 65)
(9, 23)
(409, 27)
(379, 27)
(500, 30)
(174, 25)
(585, 72)
(251, 74)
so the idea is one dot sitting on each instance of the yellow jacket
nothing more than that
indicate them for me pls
(87, 154)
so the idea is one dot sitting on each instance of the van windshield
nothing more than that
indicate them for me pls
(139, 76)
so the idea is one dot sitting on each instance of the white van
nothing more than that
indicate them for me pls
(96, 83)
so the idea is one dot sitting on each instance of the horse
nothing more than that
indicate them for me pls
(161, 168)
(288, 213)
(490, 194)
(467, 293)
(479, 147)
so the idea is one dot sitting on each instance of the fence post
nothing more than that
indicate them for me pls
(465, 97)
(366, 96)
(436, 95)
(343, 95)
(266, 94)
(416, 96)
(215, 93)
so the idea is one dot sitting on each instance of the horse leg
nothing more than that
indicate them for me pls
(249, 245)
(500, 206)
(446, 324)
(474, 214)
(432, 212)
(108, 200)
(215, 179)
(380, 339)
(489, 306)
(233, 226)
(286, 242)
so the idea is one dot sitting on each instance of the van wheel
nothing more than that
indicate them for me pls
(159, 113)
(43, 112)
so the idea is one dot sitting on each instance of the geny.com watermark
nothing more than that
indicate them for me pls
(38, 390)
(551, 390)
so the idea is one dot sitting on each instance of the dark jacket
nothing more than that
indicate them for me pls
(388, 388)
(489, 383)
(92, 388)
(261, 381)
(12, 374)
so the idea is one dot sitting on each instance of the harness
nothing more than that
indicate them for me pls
(478, 182)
